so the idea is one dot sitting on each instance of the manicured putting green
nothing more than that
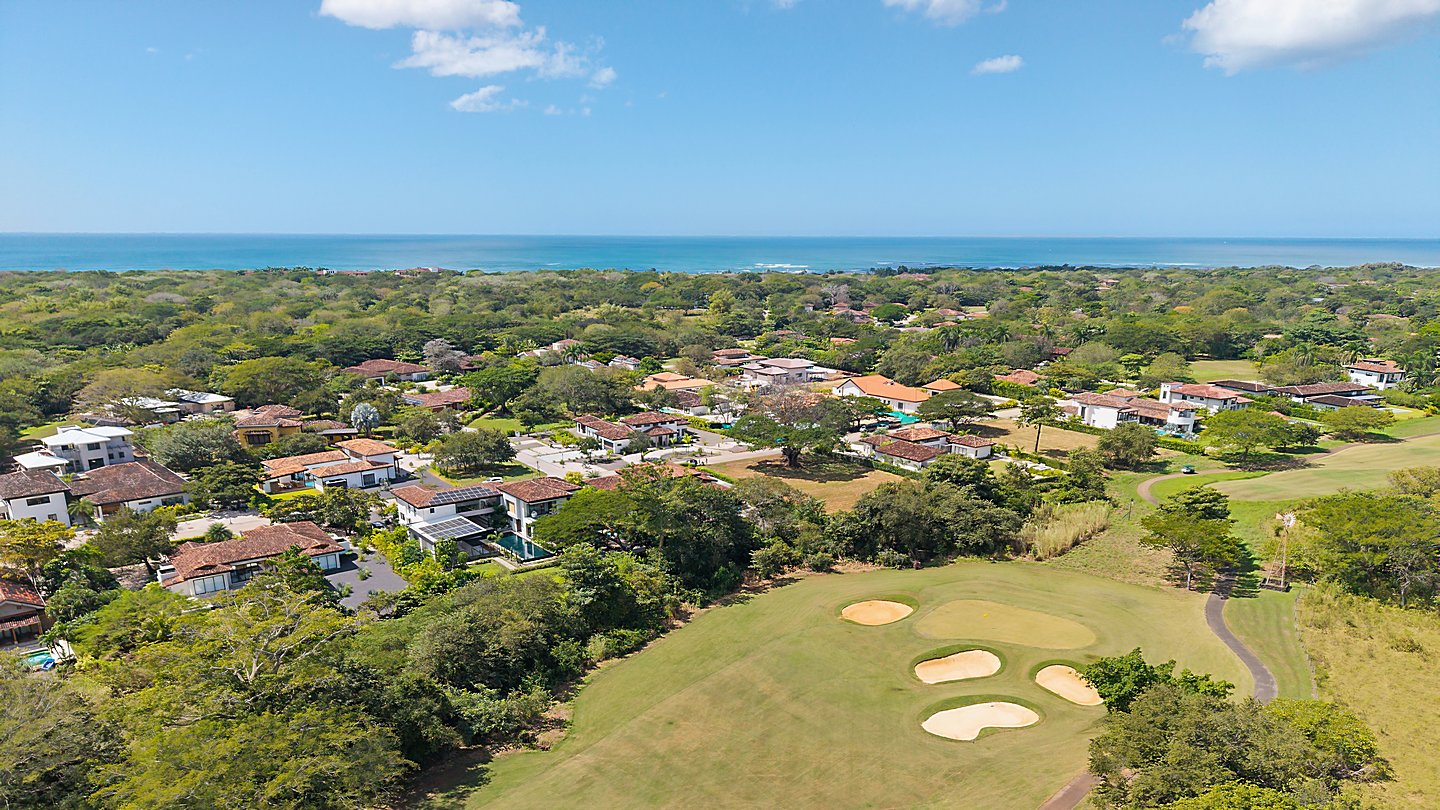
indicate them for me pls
(983, 620)
(1064, 681)
(874, 612)
(961, 666)
(966, 722)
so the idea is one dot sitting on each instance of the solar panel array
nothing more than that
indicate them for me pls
(462, 494)
(452, 529)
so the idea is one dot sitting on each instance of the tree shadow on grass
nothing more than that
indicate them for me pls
(819, 472)
(449, 782)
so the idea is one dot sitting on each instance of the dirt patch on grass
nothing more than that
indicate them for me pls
(839, 484)
(876, 612)
(966, 722)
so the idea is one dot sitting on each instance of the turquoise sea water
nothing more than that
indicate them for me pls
(679, 254)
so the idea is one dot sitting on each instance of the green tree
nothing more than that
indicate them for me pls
(1201, 503)
(497, 386)
(28, 546)
(1120, 679)
(129, 537)
(193, 444)
(1199, 545)
(267, 380)
(225, 486)
(1355, 422)
(347, 510)
(471, 451)
(1128, 445)
(296, 444)
(1238, 796)
(955, 408)
(1375, 544)
(1037, 412)
(365, 417)
(300, 574)
(1246, 429)
(53, 739)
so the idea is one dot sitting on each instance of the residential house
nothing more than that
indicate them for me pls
(466, 515)
(941, 386)
(140, 486)
(77, 449)
(202, 569)
(731, 358)
(781, 372)
(624, 361)
(1020, 376)
(333, 430)
(22, 612)
(1212, 398)
(201, 401)
(897, 397)
(439, 400)
(1331, 395)
(671, 381)
(1114, 407)
(389, 370)
(1375, 373)
(689, 403)
(613, 438)
(916, 448)
(34, 495)
(528, 501)
(353, 464)
(663, 429)
(266, 424)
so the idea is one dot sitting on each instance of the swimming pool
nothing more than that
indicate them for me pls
(521, 549)
(39, 659)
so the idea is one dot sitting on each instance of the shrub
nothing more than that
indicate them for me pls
(890, 558)
(820, 561)
(1054, 530)
(773, 559)
(615, 643)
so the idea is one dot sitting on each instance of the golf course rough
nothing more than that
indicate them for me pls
(960, 666)
(876, 612)
(966, 722)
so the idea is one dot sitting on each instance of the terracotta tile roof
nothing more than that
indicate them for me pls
(321, 425)
(650, 418)
(280, 411)
(440, 399)
(260, 420)
(1206, 391)
(131, 481)
(1099, 400)
(687, 399)
(1337, 401)
(604, 429)
(193, 559)
(660, 430)
(909, 451)
(12, 591)
(1245, 385)
(731, 353)
(1020, 376)
(967, 440)
(882, 387)
(917, 434)
(381, 368)
(421, 497)
(365, 447)
(289, 465)
(30, 483)
(538, 489)
(1376, 366)
(1320, 389)
(1122, 393)
(349, 467)
(942, 384)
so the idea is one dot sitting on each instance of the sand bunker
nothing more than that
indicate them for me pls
(1067, 683)
(966, 722)
(991, 621)
(958, 667)
(876, 611)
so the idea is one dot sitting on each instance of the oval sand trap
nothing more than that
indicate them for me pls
(992, 621)
(876, 612)
(1067, 683)
(958, 667)
(966, 722)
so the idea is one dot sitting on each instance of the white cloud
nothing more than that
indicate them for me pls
(784, 4)
(435, 15)
(1238, 34)
(553, 110)
(491, 54)
(486, 99)
(1008, 63)
(945, 12)
(603, 77)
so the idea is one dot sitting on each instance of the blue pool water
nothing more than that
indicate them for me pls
(523, 550)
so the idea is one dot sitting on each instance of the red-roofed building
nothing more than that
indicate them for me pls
(22, 612)
(528, 501)
(1108, 410)
(439, 400)
(1210, 397)
(916, 448)
(389, 370)
(353, 464)
(1375, 373)
(202, 569)
(1020, 376)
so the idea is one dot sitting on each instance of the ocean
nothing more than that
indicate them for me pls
(700, 254)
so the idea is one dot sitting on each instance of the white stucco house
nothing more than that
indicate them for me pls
(140, 486)
(1210, 397)
(462, 514)
(37, 495)
(1375, 373)
(897, 397)
(81, 449)
(528, 501)
(203, 569)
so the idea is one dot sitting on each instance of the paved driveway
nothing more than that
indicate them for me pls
(382, 578)
(237, 522)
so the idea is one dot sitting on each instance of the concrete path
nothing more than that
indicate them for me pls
(1072, 794)
(1265, 686)
(239, 523)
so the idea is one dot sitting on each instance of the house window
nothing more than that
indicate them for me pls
(37, 501)
(210, 584)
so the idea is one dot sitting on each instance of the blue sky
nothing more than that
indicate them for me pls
(817, 117)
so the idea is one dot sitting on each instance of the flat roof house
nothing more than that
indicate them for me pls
(37, 495)
(353, 464)
(780, 372)
(1331, 395)
(202, 569)
(389, 370)
(1376, 373)
(140, 486)
(201, 401)
(896, 397)
(81, 449)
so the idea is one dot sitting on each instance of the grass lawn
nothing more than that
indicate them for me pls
(1168, 488)
(774, 701)
(1379, 662)
(1211, 370)
(1054, 442)
(839, 484)
(43, 431)
(1361, 467)
(1266, 623)
(1407, 428)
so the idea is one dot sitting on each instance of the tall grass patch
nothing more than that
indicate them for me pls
(1053, 530)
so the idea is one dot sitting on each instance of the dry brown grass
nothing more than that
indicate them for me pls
(838, 483)
(1054, 442)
